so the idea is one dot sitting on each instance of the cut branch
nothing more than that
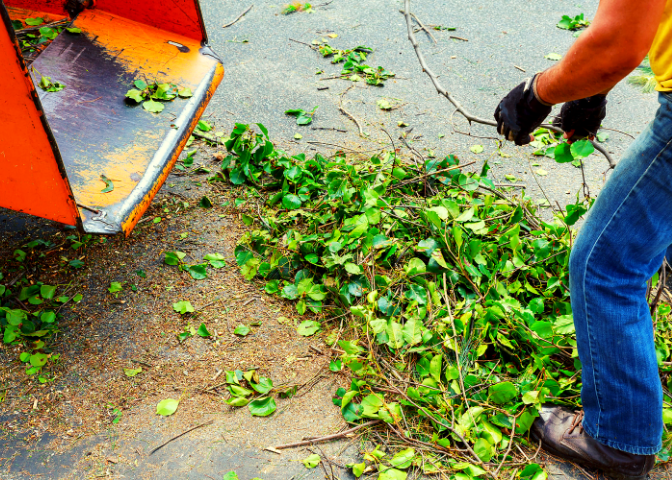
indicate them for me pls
(442, 91)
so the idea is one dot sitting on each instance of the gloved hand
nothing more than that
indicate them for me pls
(520, 113)
(582, 118)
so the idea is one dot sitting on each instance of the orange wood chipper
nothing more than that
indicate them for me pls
(82, 82)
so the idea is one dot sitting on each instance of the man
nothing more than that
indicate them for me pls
(620, 246)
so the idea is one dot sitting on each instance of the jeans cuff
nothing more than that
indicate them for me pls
(634, 449)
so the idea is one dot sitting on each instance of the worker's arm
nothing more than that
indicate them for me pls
(615, 44)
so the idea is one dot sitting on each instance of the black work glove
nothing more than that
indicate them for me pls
(520, 113)
(582, 118)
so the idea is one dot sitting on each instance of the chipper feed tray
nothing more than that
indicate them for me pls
(87, 155)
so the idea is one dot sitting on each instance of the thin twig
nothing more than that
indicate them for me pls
(181, 434)
(348, 114)
(432, 76)
(423, 27)
(508, 450)
(239, 17)
(328, 437)
(313, 47)
(329, 128)
(421, 177)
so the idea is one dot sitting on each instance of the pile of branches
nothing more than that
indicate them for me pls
(444, 298)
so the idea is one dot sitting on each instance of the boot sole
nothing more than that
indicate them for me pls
(612, 476)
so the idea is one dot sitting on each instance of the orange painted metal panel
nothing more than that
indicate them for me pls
(177, 16)
(100, 133)
(32, 178)
(37, 6)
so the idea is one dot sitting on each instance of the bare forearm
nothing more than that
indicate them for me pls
(604, 54)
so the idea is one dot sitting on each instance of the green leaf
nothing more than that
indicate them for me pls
(262, 407)
(241, 330)
(185, 92)
(174, 258)
(34, 21)
(136, 95)
(533, 472)
(38, 359)
(167, 407)
(205, 202)
(392, 474)
(403, 459)
(115, 287)
(476, 149)
(291, 201)
(230, 476)
(311, 461)
(483, 449)
(308, 328)
(152, 106)
(502, 392)
(563, 153)
(140, 84)
(204, 126)
(132, 372)
(383, 104)
(216, 260)
(582, 149)
(264, 386)
(564, 325)
(47, 291)
(197, 272)
(183, 307)
(203, 331)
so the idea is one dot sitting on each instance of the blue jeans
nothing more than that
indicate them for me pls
(619, 248)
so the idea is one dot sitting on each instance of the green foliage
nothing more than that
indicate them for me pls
(464, 292)
(302, 117)
(152, 95)
(244, 386)
(644, 77)
(30, 330)
(297, 7)
(354, 68)
(575, 23)
(47, 84)
(167, 407)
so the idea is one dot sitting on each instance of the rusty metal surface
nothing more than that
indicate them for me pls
(99, 132)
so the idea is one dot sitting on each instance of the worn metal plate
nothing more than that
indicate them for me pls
(99, 133)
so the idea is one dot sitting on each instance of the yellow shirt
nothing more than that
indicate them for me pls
(660, 54)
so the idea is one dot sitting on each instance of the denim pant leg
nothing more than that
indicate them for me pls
(620, 246)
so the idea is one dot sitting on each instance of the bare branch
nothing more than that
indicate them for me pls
(442, 91)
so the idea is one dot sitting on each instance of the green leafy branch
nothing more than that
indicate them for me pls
(153, 95)
(573, 23)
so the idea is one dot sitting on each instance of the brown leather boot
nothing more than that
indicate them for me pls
(561, 433)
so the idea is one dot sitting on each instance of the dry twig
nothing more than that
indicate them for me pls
(349, 115)
(239, 17)
(328, 437)
(181, 434)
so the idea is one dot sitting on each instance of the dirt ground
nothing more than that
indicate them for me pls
(74, 415)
